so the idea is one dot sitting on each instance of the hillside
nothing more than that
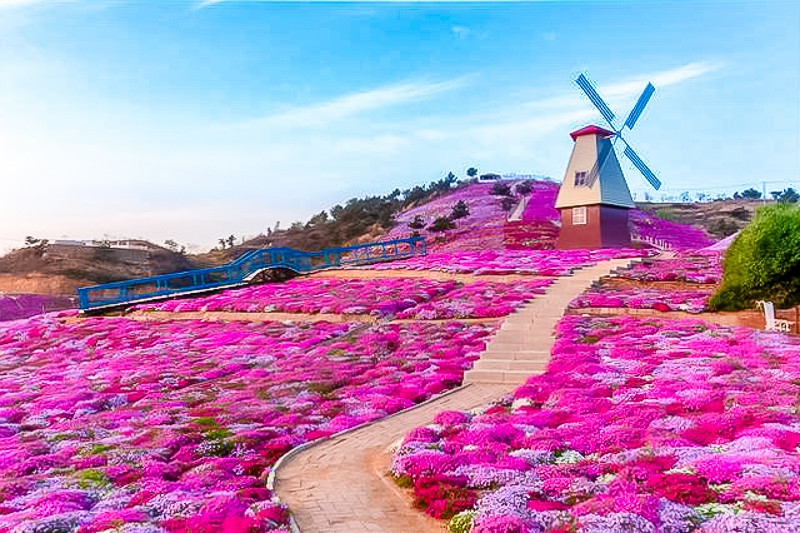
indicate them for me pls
(54, 269)
(719, 218)
(521, 218)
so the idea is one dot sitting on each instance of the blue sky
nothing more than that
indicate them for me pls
(193, 120)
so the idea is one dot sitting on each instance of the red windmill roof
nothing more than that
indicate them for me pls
(591, 130)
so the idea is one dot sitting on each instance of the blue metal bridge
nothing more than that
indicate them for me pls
(243, 270)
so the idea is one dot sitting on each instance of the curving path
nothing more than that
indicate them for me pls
(342, 485)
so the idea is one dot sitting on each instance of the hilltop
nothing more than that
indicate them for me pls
(517, 214)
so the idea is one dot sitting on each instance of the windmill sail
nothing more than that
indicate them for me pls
(598, 102)
(640, 105)
(587, 87)
(644, 169)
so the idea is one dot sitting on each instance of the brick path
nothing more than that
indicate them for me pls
(341, 484)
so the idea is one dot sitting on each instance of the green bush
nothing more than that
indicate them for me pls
(441, 224)
(763, 263)
(462, 522)
(460, 210)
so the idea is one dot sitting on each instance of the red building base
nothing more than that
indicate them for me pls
(605, 227)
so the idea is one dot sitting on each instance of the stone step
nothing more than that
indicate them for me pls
(498, 376)
(483, 376)
(511, 364)
(521, 355)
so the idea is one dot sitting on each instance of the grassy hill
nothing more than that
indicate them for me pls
(720, 218)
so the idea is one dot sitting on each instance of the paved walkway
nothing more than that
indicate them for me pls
(342, 484)
(522, 346)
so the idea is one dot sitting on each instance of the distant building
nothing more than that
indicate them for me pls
(124, 244)
(594, 198)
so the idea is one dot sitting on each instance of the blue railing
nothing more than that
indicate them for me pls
(243, 270)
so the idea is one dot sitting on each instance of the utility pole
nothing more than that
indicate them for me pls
(764, 191)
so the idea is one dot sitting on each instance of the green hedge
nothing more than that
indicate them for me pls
(763, 263)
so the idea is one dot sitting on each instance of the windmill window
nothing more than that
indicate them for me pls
(581, 179)
(578, 216)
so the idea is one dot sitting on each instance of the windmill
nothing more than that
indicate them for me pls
(594, 198)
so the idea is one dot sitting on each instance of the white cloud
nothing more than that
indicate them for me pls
(17, 3)
(322, 114)
(660, 79)
(8, 4)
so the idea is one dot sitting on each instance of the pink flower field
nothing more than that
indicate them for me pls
(643, 298)
(638, 426)
(117, 425)
(487, 226)
(704, 268)
(494, 262)
(482, 299)
(16, 306)
(380, 297)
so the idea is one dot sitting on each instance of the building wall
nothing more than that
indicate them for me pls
(606, 227)
(615, 227)
(582, 159)
(609, 188)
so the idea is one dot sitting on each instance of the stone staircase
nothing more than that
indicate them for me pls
(522, 346)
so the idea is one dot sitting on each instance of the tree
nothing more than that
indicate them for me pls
(460, 210)
(789, 196)
(417, 224)
(231, 240)
(31, 241)
(500, 189)
(524, 187)
(450, 179)
(441, 224)
(472, 172)
(762, 263)
(747, 194)
(507, 203)
(317, 220)
(684, 197)
(222, 243)
(172, 245)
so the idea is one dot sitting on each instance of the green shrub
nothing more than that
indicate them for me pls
(441, 224)
(666, 213)
(462, 522)
(500, 189)
(524, 187)
(763, 263)
(460, 210)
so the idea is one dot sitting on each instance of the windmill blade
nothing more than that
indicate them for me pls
(584, 83)
(640, 105)
(644, 169)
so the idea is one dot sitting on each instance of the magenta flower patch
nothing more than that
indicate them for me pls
(110, 424)
(638, 425)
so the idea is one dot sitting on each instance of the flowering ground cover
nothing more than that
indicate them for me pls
(118, 425)
(486, 227)
(690, 267)
(533, 262)
(380, 297)
(16, 306)
(639, 425)
(678, 236)
(694, 301)
(482, 228)
(482, 299)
